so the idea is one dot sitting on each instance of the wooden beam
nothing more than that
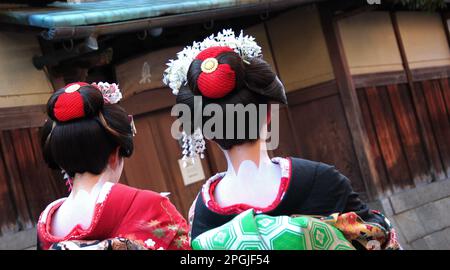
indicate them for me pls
(22, 117)
(354, 11)
(349, 101)
(430, 73)
(379, 79)
(399, 77)
(312, 93)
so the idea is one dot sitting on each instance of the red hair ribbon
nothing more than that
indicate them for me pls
(69, 104)
(216, 80)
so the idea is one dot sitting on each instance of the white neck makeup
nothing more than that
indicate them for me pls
(255, 181)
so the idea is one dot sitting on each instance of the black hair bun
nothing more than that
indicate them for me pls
(64, 105)
(261, 79)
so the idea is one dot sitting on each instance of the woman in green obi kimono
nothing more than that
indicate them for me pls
(259, 203)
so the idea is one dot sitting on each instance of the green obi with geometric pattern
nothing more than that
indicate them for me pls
(248, 231)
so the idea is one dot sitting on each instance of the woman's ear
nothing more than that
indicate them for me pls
(114, 159)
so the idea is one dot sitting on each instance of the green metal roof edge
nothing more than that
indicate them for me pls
(109, 11)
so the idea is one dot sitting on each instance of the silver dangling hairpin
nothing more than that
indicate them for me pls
(193, 145)
(199, 143)
(185, 140)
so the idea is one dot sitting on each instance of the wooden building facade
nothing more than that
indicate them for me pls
(368, 91)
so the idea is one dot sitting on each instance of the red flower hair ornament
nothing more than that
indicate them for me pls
(216, 80)
(70, 105)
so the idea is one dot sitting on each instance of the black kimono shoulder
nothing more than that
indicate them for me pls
(315, 188)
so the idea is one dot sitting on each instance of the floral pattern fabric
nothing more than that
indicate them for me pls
(108, 244)
(371, 236)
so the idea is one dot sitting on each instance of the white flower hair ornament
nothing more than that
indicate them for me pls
(175, 76)
(111, 92)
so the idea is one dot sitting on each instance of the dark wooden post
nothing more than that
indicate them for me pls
(423, 125)
(349, 101)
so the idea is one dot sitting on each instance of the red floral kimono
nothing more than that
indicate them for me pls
(142, 216)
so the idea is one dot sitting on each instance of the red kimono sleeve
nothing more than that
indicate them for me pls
(153, 221)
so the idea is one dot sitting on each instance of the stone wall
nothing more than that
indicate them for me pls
(421, 216)
(18, 241)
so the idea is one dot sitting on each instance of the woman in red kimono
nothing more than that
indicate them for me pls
(87, 136)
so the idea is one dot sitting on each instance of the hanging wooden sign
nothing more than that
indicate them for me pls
(191, 170)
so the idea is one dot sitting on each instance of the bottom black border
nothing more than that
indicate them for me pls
(218, 259)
